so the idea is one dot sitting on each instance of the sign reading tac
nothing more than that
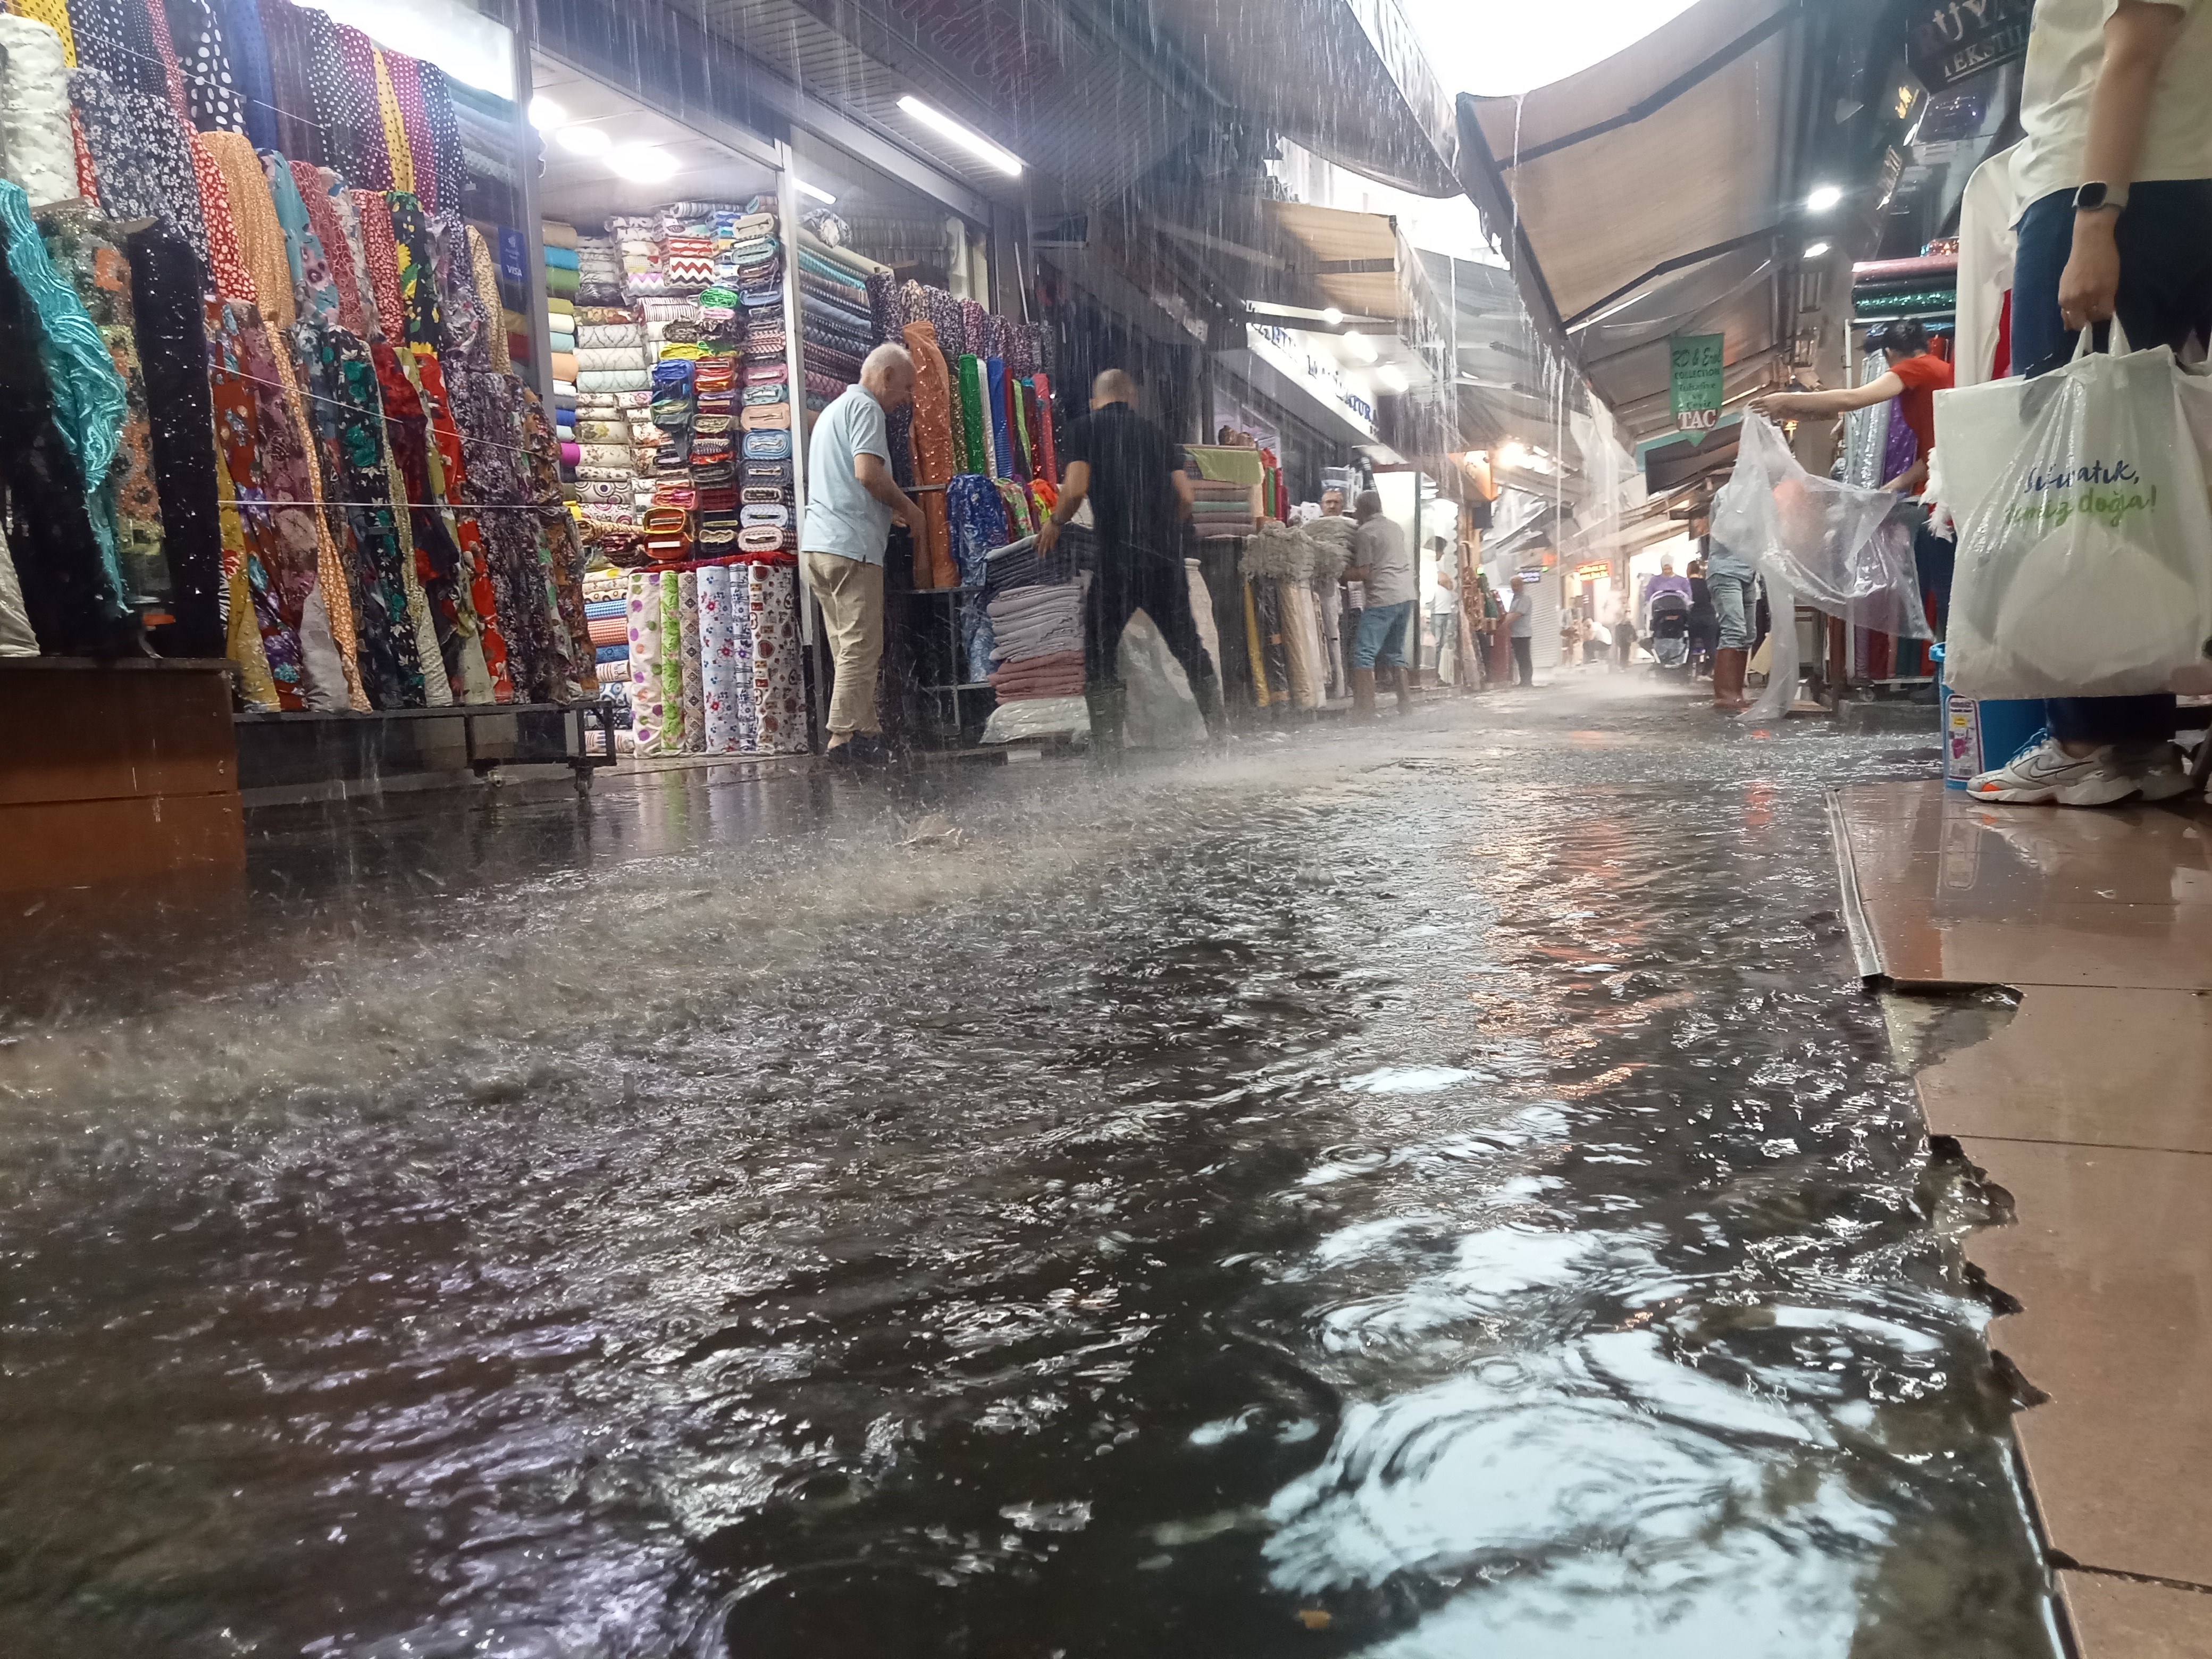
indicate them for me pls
(1694, 376)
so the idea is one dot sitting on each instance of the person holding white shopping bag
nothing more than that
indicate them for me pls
(2116, 167)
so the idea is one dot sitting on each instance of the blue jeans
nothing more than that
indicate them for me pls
(2165, 239)
(1382, 634)
(1734, 606)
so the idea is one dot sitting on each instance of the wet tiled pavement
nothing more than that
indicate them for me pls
(2089, 1102)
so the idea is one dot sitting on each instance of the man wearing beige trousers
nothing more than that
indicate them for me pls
(852, 501)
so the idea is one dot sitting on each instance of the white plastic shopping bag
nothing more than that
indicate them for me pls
(2084, 543)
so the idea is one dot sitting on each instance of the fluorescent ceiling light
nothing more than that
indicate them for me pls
(584, 141)
(642, 164)
(1816, 250)
(1511, 455)
(821, 196)
(1332, 317)
(545, 114)
(1823, 198)
(1360, 346)
(1392, 376)
(967, 137)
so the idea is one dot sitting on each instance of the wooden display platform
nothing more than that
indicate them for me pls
(117, 771)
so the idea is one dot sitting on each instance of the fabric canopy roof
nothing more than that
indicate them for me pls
(1649, 196)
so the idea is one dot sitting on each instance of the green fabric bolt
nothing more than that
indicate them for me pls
(89, 402)
(1025, 458)
(672, 734)
(972, 413)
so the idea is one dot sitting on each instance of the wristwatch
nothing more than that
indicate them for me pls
(2090, 198)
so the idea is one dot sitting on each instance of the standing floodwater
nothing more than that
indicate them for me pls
(1427, 1194)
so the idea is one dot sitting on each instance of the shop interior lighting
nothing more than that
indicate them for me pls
(545, 114)
(584, 141)
(821, 196)
(1823, 198)
(1816, 250)
(1360, 346)
(966, 137)
(1392, 377)
(1333, 317)
(642, 164)
(1512, 455)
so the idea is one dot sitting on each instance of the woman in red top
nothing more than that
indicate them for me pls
(1915, 377)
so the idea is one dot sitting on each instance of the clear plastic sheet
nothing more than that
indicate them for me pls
(1815, 542)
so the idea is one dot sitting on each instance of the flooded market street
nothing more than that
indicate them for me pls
(1431, 1192)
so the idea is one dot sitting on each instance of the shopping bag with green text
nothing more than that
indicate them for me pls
(2085, 547)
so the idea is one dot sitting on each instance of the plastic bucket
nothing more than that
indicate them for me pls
(1980, 733)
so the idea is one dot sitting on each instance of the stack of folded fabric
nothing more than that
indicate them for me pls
(613, 412)
(836, 327)
(561, 283)
(714, 452)
(1037, 635)
(598, 271)
(637, 246)
(668, 522)
(766, 523)
(1222, 509)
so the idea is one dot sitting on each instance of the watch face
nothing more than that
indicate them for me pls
(2090, 196)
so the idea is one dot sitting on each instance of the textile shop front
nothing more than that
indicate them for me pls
(710, 291)
(258, 268)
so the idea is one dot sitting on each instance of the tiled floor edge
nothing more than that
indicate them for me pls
(1865, 953)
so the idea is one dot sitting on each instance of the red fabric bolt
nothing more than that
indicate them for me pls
(377, 239)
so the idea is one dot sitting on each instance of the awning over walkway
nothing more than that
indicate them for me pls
(1656, 193)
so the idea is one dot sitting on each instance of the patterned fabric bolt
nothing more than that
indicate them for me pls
(694, 664)
(647, 708)
(674, 739)
(934, 454)
(718, 654)
(779, 693)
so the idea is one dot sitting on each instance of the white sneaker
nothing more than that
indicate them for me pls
(2047, 773)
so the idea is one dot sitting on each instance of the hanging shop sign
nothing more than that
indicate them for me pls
(1952, 42)
(1597, 571)
(1285, 353)
(1695, 364)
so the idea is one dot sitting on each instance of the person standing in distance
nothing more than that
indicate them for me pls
(1132, 474)
(852, 501)
(1520, 627)
(2116, 101)
(1381, 564)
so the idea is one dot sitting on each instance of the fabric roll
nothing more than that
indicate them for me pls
(38, 149)
(1302, 644)
(779, 692)
(694, 666)
(285, 34)
(974, 423)
(993, 379)
(674, 739)
(246, 47)
(718, 651)
(164, 282)
(253, 218)
(648, 708)
(934, 461)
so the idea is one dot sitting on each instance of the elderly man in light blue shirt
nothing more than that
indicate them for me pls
(852, 501)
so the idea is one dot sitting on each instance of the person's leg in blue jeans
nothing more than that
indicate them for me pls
(2165, 241)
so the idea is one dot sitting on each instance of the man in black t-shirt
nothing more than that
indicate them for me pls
(1132, 473)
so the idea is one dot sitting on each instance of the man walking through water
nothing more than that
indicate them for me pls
(1132, 474)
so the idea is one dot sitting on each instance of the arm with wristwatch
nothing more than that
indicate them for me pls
(2138, 37)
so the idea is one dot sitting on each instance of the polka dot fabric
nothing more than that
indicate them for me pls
(211, 85)
(364, 160)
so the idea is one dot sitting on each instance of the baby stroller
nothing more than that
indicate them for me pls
(1670, 640)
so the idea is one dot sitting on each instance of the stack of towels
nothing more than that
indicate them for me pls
(1222, 509)
(1037, 642)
